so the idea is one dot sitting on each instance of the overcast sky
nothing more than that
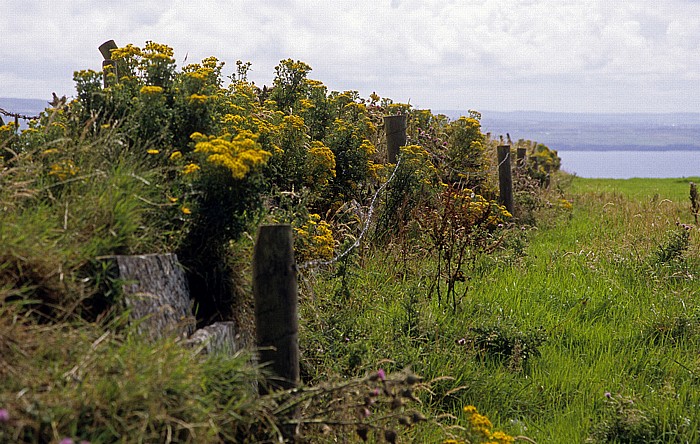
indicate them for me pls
(501, 55)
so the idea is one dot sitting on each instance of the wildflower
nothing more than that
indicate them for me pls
(469, 409)
(608, 395)
(66, 441)
(190, 168)
(151, 90)
(4, 415)
(185, 210)
(153, 152)
(197, 98)
(381, 375)
(501, 437)
(176, 155)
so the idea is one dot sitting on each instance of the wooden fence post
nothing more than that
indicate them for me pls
(275, 290)
(505, 179)
(109, 66)
(521, 157)
(395, 128)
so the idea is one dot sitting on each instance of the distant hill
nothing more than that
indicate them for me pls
(589, 132)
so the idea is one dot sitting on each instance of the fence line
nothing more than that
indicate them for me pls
(370, 212)
(324, 262)
(17, 115)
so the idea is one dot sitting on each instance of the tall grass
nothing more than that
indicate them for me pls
(610, 292)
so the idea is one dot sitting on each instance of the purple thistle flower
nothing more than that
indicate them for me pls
(381, 375)
(66, 441)
(4, 415)
(608, 395)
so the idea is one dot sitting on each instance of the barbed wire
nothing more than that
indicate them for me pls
(17, 115)
(324, 262)
(370, 212)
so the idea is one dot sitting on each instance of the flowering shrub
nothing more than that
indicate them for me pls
(238, 154)
(313, 240)
(463, 225)
(542, 162)
(415, 183)
(466, 156)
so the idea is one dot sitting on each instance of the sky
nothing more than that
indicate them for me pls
(593, 56)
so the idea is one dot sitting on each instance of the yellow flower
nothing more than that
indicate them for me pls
(176, 155)
(153, 152)
(368, 147)
(197, 99)
(151, 90)
(239, 153)
(502, 438)
(190, 168)
(185, 210)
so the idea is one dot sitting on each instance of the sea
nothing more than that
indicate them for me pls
(614, 146)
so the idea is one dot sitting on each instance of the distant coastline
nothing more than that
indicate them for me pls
(595, 132)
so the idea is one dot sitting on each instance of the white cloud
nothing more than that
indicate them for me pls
(507, 54)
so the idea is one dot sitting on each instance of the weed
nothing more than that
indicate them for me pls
(673, 247)
(505, 343)
(624, 421)
(694, 201)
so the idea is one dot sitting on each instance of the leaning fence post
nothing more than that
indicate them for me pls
(109, 66)
(395, 128)
(275, 290)
(505, 179)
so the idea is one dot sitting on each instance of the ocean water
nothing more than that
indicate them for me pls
(628, 164)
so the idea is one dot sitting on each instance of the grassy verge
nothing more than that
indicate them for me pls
(592, 335)
(585, 329)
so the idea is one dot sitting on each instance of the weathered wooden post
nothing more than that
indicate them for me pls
(395, 128)
(521, 157)
(275, 290)
(505, 179)
(110, 74)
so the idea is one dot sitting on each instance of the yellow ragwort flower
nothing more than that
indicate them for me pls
(149, 90)
(190, 168)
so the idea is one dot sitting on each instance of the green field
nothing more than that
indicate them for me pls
(594, 330)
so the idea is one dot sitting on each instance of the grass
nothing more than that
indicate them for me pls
(584, 329)
(618, 315)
